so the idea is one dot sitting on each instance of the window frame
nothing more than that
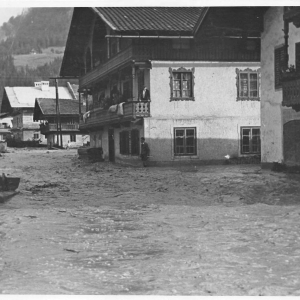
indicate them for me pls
(280, 65)
(184, 144)
(182, 70)
(250, 141)
(73, 137)
(126, 142)
(238, 84)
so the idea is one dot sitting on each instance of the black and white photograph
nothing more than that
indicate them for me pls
(149, 148)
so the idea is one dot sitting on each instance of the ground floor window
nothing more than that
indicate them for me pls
(250, 140)
(185, 141)
(72, 137)
(129, 142)
(36, 136)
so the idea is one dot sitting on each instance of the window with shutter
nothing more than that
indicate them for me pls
(297, 51)
(279, 65)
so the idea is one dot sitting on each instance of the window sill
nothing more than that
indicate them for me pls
(248, 99)
(182, 99)
(185, 157)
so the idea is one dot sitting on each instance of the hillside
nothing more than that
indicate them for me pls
(34, 60)
(38, 28)
(32, 46)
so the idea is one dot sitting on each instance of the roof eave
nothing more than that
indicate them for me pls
(95, 10)
(200, 20)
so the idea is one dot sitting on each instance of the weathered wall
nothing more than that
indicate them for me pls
(273, 115)
(100, 139)
(80, 140)
(215, 112)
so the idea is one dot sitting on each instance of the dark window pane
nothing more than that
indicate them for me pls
(180, 133)
(190, 141)
(190, 132)
(179, 141)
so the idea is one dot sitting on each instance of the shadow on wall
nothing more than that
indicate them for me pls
(206, 149)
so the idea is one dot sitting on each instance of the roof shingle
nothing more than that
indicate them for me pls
(172, 19)
(66, 106)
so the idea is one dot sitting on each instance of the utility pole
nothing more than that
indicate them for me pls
(58, 122)
(57, 109)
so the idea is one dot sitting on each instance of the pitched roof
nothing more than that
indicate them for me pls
(25, 96)
(172, 19)
(66, 106)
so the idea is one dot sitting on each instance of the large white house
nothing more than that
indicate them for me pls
(201, 66)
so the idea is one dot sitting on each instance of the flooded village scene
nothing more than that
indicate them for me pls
(150, 150)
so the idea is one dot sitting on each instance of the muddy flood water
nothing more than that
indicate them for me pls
(81, 228)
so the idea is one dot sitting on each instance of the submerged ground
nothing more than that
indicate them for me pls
(98, 228)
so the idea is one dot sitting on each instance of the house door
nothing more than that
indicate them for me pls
(291, 142)
(111, 145)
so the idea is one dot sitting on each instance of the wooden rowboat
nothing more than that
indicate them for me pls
(9, 183)
(8, 186)
(6, 195)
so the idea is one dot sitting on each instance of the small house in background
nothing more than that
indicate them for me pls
(5, 126)
(45, 113)
(18, 102)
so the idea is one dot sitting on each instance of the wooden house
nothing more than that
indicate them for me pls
(200, 65)
(19, 103)
(63, 126)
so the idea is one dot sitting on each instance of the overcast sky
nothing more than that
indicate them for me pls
(16, 5)
(7, 12)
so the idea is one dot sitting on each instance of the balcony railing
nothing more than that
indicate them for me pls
(53, 127)
(291, 93)
(116, 114)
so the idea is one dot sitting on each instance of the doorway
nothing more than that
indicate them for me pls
(111, 145)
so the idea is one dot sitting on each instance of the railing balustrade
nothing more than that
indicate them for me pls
(101, 117)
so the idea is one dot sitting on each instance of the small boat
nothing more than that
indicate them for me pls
(8, 186)
(9, 183)
(6, 195)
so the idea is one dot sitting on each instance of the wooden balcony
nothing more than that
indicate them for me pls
(291, 93)
(50, 128)
(292, 14)
(204, 52)
(100, 117)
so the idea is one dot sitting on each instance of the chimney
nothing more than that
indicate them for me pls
(37, 84)
(45, 85)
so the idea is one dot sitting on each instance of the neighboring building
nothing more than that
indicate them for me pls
(280, 105)
(19, 103)
(5, 126)
(201, 66)
(45, 112)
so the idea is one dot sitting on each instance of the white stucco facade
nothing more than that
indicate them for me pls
(273, 114)
(215, 113)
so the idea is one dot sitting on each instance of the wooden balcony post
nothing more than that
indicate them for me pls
(134, 85)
